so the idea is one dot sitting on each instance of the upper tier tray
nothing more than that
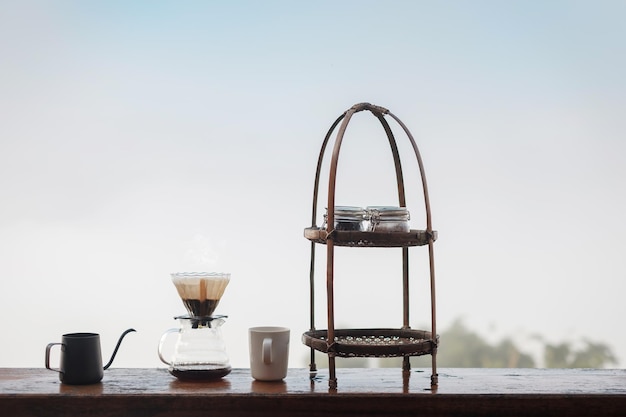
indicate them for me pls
(370, 239)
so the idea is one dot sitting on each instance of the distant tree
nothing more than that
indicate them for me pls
(462, 348)
(592, 355)
(556, 356)
(507, 355)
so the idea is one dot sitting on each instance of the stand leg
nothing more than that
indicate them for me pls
(434, 377)
(434, 380)
(312, 365)
(332, 381)
(406, 364)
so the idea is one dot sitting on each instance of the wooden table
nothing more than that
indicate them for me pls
(361, 392)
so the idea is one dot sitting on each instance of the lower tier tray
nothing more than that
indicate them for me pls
(380, 343)
(370, 239)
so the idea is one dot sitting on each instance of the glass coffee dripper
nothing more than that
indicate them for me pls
(199, 350)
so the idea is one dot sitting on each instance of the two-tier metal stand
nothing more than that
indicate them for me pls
(403, 342)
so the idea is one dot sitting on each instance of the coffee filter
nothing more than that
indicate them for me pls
(201, 285)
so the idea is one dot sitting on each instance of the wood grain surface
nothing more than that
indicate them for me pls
(361, 392)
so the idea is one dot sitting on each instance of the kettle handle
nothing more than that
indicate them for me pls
(119, 342)
(162, 342)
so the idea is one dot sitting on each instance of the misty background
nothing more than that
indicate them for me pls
(148, 137)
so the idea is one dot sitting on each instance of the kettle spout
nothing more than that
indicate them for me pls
(119, 342)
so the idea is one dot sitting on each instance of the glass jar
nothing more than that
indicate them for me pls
(348, 218)
(388, 219)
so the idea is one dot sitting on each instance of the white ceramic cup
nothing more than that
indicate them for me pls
(269, 352)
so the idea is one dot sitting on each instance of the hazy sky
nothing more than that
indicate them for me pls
(148, 137)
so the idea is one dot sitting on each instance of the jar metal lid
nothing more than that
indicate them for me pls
(389, 213)
(349, 213)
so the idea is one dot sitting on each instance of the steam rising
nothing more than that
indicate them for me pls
(201, 255)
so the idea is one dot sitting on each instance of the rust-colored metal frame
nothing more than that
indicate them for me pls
(379, 113)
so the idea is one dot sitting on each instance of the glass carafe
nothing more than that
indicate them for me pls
(199, 350)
